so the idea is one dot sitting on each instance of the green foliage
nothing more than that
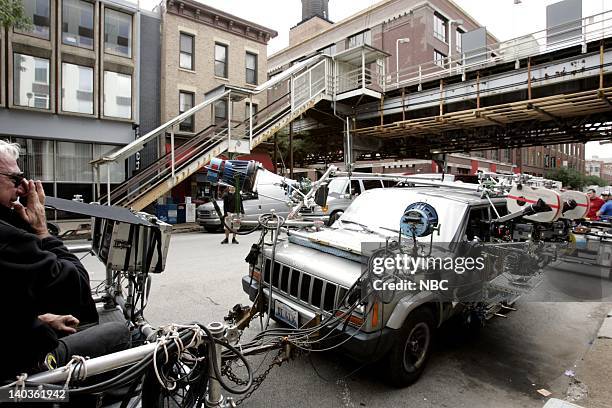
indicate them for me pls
(573, 178)
(12, 14)
(303, 145)
(595, 181)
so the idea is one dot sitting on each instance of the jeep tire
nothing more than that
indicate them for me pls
(409, 354)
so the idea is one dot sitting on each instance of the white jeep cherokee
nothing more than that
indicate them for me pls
(312, 272)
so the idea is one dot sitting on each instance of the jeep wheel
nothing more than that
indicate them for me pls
(409, 355)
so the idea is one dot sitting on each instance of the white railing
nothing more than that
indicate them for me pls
(574, 33)
(314, 79)
(309, 84)
(358, 78)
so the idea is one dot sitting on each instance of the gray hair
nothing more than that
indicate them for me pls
(9, 149)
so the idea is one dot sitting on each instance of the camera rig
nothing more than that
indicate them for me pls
(194, 362)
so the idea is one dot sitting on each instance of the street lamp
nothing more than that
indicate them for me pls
(451, 34)
(397, 43)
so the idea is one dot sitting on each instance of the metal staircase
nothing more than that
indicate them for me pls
(310, 83)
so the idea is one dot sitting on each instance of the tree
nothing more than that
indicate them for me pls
(12, 14)
(573, 178)
(595, 181)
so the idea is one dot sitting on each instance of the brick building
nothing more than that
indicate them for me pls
(415, 32)
(600, 167)
(203, 48)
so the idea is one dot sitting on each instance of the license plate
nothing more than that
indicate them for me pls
(286, 314)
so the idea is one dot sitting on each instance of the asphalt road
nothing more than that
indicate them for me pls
(502, 367)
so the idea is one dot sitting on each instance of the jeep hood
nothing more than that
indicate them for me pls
(337, 239)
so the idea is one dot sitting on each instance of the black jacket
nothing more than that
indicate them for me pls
(229, 204)
(38, 276)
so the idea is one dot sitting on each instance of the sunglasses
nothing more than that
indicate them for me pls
(16, 177)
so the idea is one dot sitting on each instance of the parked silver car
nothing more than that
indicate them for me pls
(271, 196)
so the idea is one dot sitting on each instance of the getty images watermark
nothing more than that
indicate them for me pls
(402, 267)
(487, 272)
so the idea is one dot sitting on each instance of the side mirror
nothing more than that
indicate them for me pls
(321, 196)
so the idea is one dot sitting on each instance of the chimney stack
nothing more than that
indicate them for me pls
(311, 8)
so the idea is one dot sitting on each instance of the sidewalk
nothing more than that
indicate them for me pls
(591, 386)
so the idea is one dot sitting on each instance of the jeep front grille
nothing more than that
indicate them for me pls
(297, 285)
(204, 213)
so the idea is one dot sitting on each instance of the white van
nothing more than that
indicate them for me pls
(342, 192)
(270, 196)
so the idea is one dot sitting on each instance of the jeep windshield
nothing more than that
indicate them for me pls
(382, 209)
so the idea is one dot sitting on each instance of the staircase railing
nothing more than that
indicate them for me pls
(573, 33)
(204, 138)
(312, 77)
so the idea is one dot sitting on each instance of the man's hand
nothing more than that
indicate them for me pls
(65, 323)
(34, 211)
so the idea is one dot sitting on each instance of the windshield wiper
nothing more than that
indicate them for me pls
(390, 229)
(364, 227)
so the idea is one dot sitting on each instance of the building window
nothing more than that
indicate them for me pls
(251, 68)
(38, 11)
(458, 42)
(77, 89)
(186, 51)
(117, 169)
(36, 158)
(186, 103)
(329, 50)
(30, 81)
(77, 23)
(117, 33)
(220, 112)
(362, 38)
(117, 95)
(220, 60)
(72, 162)
(440, 24)
(439, 58)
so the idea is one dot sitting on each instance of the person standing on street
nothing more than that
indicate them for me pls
(230, 209)
(595, 204)
(605, 212)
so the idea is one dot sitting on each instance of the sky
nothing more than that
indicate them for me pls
(503, 18)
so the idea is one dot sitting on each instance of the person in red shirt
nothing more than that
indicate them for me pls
(595, 204)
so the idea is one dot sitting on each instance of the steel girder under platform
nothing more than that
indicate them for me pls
(577, 117)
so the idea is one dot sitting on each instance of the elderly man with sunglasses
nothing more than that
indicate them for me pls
(45, 291)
